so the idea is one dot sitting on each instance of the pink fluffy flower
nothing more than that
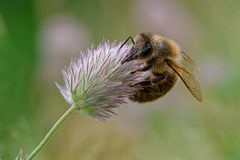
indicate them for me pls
(97, 82)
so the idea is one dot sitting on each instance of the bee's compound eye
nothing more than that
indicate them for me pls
(145, 51)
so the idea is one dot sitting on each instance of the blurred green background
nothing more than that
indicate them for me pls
(38, 38)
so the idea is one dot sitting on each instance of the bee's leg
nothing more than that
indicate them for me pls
(142, 83)
(144, 86)
(148, 65)
(145, 68)
(146, 89)
(159, 77)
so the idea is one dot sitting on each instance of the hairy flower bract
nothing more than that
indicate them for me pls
(97, 82)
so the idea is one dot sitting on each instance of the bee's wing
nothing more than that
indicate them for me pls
(186, 70)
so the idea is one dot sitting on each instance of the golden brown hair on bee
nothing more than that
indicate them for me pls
(166, 62)
(151, 92)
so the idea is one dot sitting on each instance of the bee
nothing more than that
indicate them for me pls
(166, 62)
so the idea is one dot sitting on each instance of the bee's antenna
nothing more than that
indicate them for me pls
(130, 37)
(132, 40)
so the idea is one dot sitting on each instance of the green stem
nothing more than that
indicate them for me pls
(52, 131)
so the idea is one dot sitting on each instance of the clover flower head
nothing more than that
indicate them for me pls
(97, 82)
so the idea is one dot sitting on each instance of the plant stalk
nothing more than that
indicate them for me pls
(52, 131)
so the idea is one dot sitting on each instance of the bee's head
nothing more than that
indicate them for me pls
(141, 48)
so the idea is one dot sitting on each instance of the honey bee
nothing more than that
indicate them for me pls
(166, 62)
